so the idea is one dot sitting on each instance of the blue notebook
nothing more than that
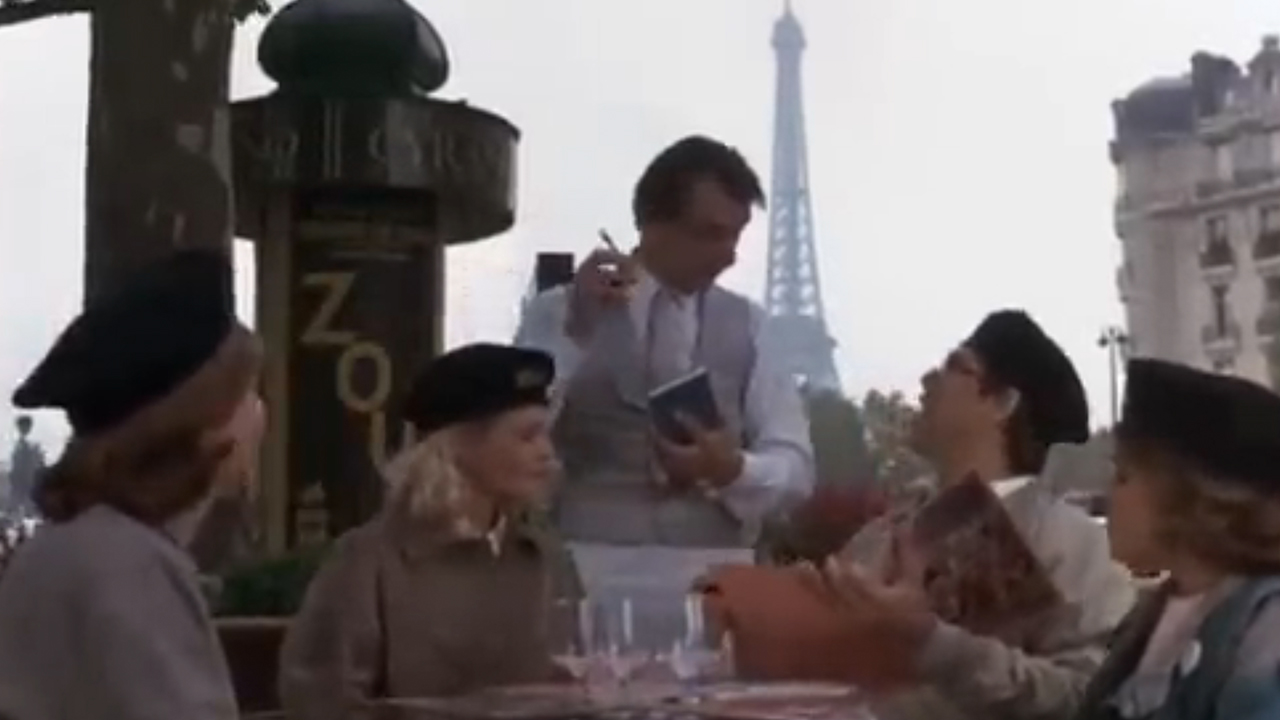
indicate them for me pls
(691, 396)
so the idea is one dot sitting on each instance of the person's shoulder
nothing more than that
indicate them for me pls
(540, 529)
(362, 542)
(104, 554)
(1262, 636)
(1253, 690)
(755, 308)
(548, 299)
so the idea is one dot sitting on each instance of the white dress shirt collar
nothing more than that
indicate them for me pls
(642, 294)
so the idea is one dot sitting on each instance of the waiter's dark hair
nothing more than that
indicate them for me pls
(663, 188)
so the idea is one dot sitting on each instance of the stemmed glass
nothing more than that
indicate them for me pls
(626, 654)
(700, 653)
(572, 636)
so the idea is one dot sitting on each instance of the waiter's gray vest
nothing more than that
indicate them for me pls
(611, 492)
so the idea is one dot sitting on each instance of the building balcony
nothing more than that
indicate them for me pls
(1241, 181)
(1246, 178)
(1269, 321)
(1266, 252)
(1218, 256)
(1221, 337)
(1206, 189)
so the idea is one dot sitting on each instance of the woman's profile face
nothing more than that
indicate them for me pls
(510, 456)
(1132, 518)
(244, 431)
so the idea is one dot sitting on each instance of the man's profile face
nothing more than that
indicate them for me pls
(700, 244)
(954, 405)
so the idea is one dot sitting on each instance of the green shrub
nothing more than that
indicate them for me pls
(273, 587)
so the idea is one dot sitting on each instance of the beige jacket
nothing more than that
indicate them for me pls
(405, 610)
(978, 678)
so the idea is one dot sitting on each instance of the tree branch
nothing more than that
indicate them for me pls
(13, 12)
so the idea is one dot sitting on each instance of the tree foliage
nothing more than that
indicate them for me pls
(889, 418)
(841, 455)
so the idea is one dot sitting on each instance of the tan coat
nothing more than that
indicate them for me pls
(979, 678)
(408, 610)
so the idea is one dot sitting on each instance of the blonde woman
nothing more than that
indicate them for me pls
(447, 590)
(101, 614)
(1196, 496)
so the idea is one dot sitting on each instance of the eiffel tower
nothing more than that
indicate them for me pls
(793, 297)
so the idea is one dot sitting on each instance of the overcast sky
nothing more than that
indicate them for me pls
(958, 153)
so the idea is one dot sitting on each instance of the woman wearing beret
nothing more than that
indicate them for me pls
(1197, 496)
(101, 614)
(447, 590)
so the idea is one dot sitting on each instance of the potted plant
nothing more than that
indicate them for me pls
(253, 605)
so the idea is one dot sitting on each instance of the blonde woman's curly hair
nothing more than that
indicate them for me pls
(424, 481)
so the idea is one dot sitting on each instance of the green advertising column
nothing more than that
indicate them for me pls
(352, 181)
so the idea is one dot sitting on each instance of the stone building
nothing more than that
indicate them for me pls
(1198, 214)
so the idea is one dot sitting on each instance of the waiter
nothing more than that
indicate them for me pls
(645, 517)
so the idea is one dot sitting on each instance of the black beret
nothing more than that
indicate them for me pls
(475, 382)
(135, 345)
(1227, 426)
(1016, 352)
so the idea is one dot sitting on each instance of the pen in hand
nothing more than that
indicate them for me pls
(619, 279)
(608, 241)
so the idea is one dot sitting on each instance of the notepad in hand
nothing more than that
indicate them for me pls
(689, 396)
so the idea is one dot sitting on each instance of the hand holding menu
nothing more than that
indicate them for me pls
(688, 396)
(979, 572)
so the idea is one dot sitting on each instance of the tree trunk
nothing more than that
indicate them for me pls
(157, 173)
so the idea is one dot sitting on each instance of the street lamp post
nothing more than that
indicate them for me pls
(1114, 339)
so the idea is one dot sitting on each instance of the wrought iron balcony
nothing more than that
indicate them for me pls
(1269, 321)
(1214, 334)
(1217, 254)
(1208, 188)
(1251, 177)
(1267, 247)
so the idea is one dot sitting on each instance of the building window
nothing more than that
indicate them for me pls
(1215, 230)
(1218, 296)
(1269, 218)
(1271, 290)
(1268, 243)
(1217, 250)
(1223, 162)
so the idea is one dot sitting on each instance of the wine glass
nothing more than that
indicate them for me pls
(700, 653)
(625, 653)
(572, 635)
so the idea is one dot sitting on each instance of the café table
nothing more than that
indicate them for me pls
(714, 701)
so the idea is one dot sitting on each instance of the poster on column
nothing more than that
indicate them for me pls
(362, 320)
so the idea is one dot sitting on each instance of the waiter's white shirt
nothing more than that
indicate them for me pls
(778, 457)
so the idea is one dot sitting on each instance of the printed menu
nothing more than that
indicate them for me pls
(979, 572)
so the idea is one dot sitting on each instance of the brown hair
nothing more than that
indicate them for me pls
(159, 461)
(1024, 452)
(1225, 523)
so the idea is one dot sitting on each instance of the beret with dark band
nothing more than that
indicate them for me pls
(1227, 426)
(1017, 353)
(476, 382)
(175, 320)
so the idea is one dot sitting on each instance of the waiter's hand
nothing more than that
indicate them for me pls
(604, 278)
(713, 457)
